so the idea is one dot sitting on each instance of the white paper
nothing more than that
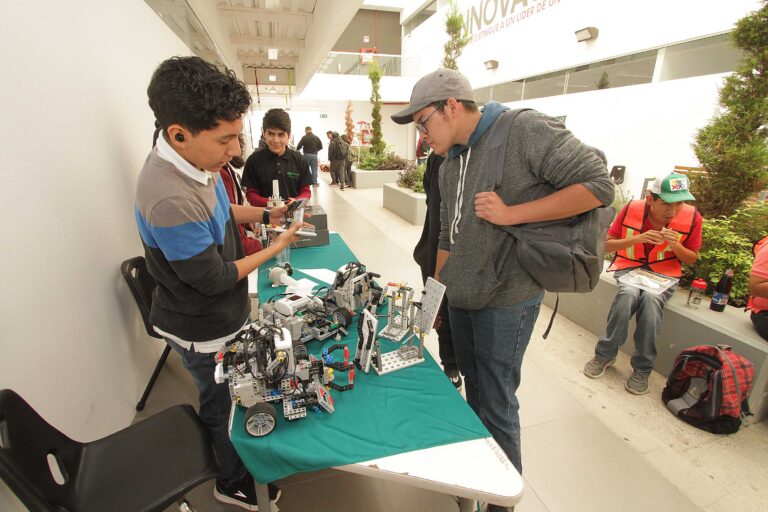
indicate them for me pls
(321, 274)
(301, 287)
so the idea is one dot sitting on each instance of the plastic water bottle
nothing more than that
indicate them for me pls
(695, 293)
(722, 292)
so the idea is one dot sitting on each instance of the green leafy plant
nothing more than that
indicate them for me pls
(457, 37)
(733, 148)
(383, 162)
(727, 243)
(412, 178)
(378, 146)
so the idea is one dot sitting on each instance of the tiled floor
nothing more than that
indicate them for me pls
(587, 444)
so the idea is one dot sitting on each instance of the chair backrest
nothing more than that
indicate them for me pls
(37, 462)
(141, 284)
(617, 174)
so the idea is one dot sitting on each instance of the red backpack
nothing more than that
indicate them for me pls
(708, 388)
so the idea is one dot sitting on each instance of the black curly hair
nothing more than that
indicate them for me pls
(276, 119)
(195, 94)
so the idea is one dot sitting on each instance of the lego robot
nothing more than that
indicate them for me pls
(409, 319)
(261, 366)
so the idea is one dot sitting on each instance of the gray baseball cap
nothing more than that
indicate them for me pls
(436, 86)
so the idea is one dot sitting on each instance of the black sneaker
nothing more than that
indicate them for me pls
(243, 493)
(455, 377)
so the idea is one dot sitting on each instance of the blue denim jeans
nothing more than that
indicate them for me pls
(312, 161)
(215, 405)
(648, 310)
(490, 344)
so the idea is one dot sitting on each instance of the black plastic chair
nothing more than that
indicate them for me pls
(617, 174)
(147, 466)
(142, 284)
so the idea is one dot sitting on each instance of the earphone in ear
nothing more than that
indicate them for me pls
(179, 137)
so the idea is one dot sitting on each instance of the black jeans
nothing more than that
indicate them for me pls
(760, 321)
(215, 404)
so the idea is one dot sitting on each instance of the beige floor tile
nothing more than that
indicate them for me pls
(577, 464)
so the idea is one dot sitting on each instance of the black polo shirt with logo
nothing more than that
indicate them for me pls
(290, 169)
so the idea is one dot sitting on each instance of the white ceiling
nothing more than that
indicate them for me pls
(239, 33)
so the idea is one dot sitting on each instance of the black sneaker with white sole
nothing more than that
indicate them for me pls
(243, 493)
(455, 376)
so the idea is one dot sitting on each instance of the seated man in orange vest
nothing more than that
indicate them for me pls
(659, 234)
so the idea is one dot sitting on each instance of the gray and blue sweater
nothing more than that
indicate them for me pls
(190, 242)
(541, 157)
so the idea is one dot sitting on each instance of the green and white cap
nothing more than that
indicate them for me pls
(672, 188)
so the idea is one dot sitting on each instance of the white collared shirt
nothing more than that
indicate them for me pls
(167, 153)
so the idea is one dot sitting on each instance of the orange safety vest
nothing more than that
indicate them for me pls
(760, 245)
(661, 259)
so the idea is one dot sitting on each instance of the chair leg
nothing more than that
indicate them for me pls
(151, 383)
(184, 506)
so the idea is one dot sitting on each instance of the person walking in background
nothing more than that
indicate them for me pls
(337, 154)
(425, 253)
(348, 164)
(310, 144)
(493, 303)
(276, 162)
(758, 289)
(658, 233)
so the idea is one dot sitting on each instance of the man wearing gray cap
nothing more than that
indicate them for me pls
(547, 174)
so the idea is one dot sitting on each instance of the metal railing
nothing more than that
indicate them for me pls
(348, 63)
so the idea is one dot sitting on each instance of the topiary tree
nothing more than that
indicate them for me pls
(457, 37)
(733, 148)
(378, 146)
(349, 125)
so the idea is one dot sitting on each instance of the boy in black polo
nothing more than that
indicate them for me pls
(276, 162)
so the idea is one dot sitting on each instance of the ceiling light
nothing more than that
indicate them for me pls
(272, 4)
(272, 90)
(491, 64)
(272, 53)
(273, 78)
(585, 34)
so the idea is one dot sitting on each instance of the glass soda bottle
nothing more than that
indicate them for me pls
(722, 292)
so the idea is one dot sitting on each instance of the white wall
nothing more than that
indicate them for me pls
(648, 128)
(544, 40)
(76, 130)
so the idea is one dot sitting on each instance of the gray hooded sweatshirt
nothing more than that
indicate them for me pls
(541, 157)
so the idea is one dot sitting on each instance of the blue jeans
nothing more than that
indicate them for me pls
(648, 310)
(490, 344)
(311, 159)
(215, 404)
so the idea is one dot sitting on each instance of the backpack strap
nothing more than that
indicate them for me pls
(498, 150)
(499, 136)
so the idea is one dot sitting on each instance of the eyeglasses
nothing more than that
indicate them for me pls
(422, 125)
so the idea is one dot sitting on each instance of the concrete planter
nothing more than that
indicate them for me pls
(372, 179)
(411, 206)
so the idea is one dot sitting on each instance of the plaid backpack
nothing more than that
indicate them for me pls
(708, 388)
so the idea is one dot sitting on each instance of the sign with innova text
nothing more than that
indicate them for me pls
(486, 17)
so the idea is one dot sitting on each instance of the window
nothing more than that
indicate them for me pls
(420, 17)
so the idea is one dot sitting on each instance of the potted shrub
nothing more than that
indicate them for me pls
(406, 197)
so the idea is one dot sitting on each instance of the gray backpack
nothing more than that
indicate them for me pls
(561, 255)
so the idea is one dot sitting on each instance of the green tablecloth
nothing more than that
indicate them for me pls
(407, 410)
